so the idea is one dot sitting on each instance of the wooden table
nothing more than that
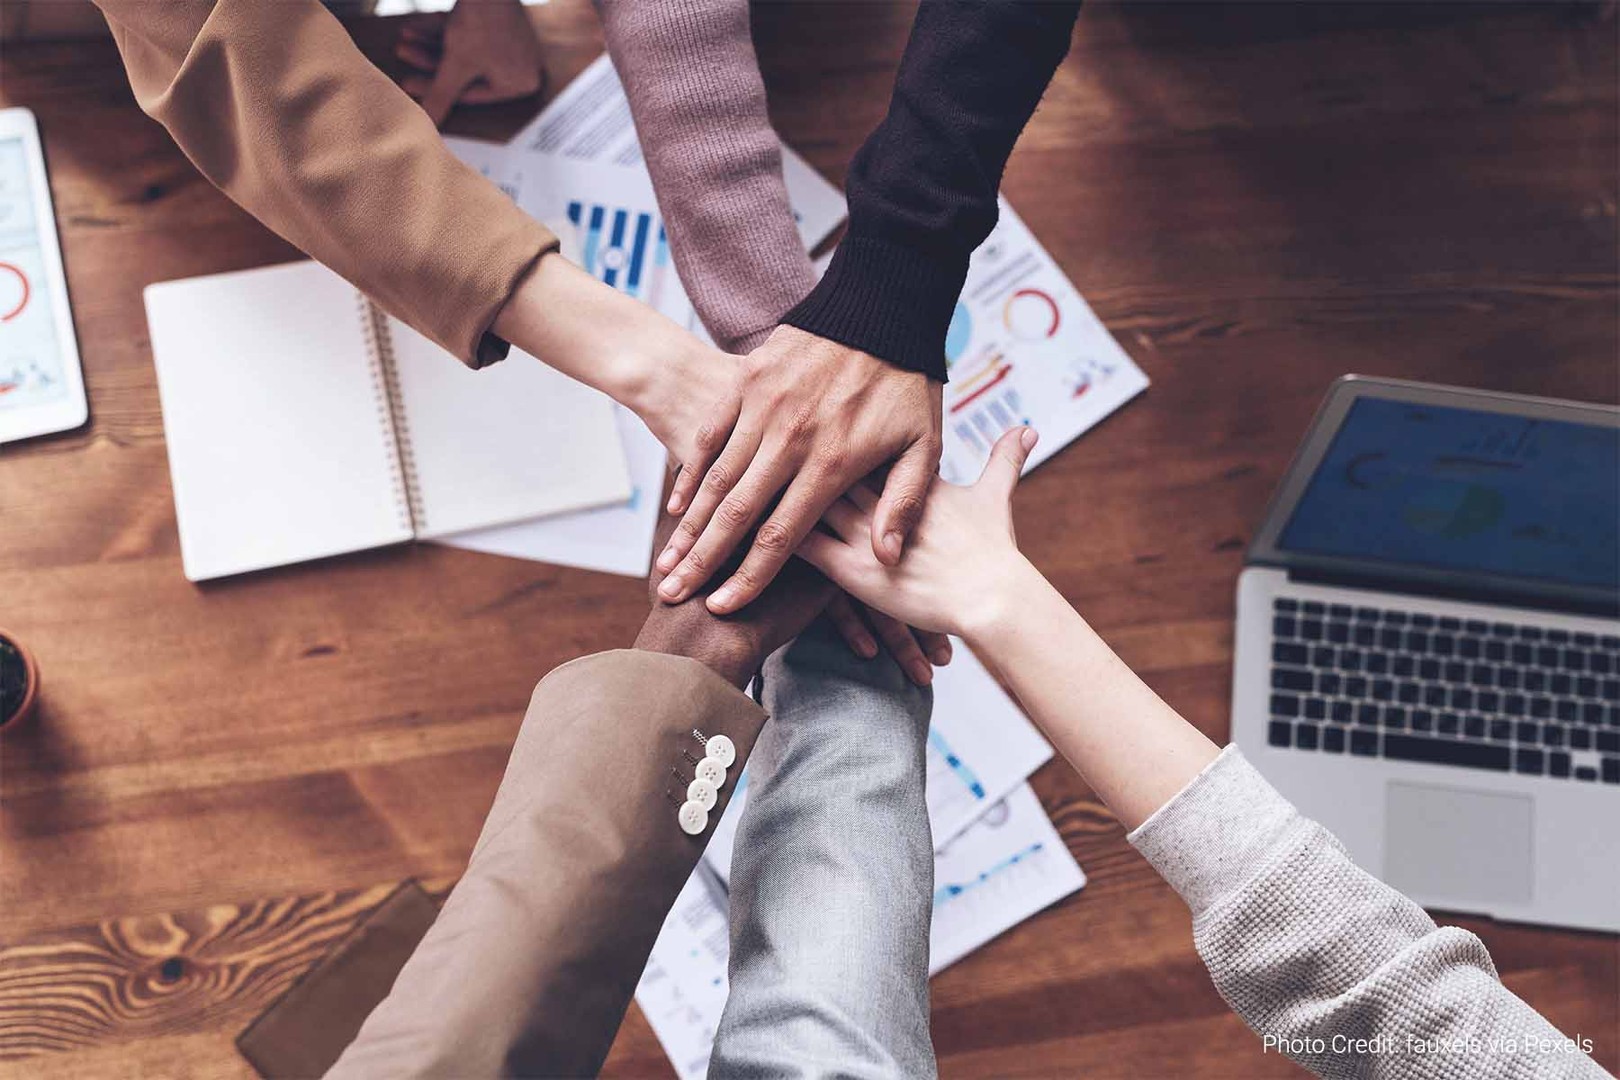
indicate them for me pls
(1255, 200)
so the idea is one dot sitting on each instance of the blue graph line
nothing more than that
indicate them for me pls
(951, 891)
(958, 766)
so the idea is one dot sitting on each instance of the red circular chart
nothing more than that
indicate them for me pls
(22, 290)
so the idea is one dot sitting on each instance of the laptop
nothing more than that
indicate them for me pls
(1428, 646)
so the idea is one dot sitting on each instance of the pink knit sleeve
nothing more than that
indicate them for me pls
(698, 100)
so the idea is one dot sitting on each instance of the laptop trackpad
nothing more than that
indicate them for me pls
(1458, 845)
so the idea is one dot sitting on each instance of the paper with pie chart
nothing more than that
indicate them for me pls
(1025, 348)
(30, 354)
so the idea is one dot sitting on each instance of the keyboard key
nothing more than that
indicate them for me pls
(1280, 733)
(1462, 697)
(1530, 633)
(1363, 634)
(1557, 763)
(1355, 686)
(1447, 752)
(1547, 656)
(1395, 618)
(1284, 705)
(1495, 650)
(1333, 740)
(1456, 671)
(1513, 704)
(1502, 630)
(1305, 736)
(1338, 632)
(1574, 660)
(1389, 638)
(1540, 707)
(1507, 678)
(1583, 639)
(1474, 726)
(1338, 611)
(1313, 607)
(1552, 735)
(1428, 669)
(1321, 656)
(1343, 712)
(1580, 738)
(1422, 720)
(1474, 626)
(1585, 772)
(1468, 648)
(1535, 681)
(1282, 603)
(1395, 717)
(1423, 622)
(1329, 682)
(1350, 660)
(1564, 709)
(1292, 679)
(1367, 715)
(1382, 690)
(1434, 695)
(1592, 713)
(1284, 626)
(1417, 641)
(1586, 686)
(1290, 653)
(1609, 742)
(1367, 614)
(1442, 644)
(1487, 701)
(1520, 654)
(1525, 731)
(1529, 761)
(1365, 743)
(1315, 709)
(1482, 675)
(1558, 637)
(1448, 723)
(1560, 683)
(1449, 623)
(1600, 663)
(1611, 770)
(1501, 730)
(1403, 667)
(1407, 693)
(1377, 664)
(1310, 629)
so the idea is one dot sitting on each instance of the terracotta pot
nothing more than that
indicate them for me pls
(30, 673)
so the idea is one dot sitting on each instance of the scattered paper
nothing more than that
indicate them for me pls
(1024, 348)
(590, 121)
(1006, 867)
(981, 746)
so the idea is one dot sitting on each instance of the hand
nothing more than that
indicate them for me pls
(912, 649)
(734, 647)
(816, 418)
(484, 51)
(962, 564)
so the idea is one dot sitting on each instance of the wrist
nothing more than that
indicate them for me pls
(1003, 602)
(726, 655)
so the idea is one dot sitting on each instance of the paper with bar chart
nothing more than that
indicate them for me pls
(1024, 348)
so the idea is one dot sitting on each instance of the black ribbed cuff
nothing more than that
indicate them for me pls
(886, 300)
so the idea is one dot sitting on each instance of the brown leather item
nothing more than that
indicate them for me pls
(303, 1033)
(534, 959)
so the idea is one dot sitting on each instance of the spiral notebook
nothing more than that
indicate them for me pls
(303, 422)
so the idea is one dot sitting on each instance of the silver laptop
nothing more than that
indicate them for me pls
(1428, 646)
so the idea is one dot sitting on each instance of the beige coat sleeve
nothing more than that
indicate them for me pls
(276, 106)
(533, 961)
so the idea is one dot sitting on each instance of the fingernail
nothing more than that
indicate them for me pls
(722, 598)
(921, 673)
(1027, 439)
(671, 588)
(866, 648)
(891, 544)
(674, 504)
(666, 559)
(942, 655)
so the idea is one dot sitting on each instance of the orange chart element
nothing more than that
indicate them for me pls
(22, 279)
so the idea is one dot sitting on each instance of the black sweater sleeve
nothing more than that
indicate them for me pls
(922, 189)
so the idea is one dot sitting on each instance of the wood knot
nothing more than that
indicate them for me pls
(171, 969)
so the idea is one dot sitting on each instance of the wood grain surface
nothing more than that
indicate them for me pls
(1255, 198)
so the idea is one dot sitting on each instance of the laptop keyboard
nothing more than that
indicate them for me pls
(1410, 687)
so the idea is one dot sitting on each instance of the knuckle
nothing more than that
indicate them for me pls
(688, 530)
(697, 562)
(832, 461)
(908, 507)
(710, 438)
(747, 579)
(719, 481)
(799, 424)
(773, 538)
(732, 513)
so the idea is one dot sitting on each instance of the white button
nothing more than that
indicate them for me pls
(693, 818)
(712, 771)
(721, 749)
(702, 792)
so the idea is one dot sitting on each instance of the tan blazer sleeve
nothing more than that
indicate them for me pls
(274, 104)
(533, 961)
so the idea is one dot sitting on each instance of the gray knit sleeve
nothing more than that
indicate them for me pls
(1330, 966)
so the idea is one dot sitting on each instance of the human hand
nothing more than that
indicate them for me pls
(736, 646)
(816, 417)
(962, 565)
(481, 52)
(916, 651)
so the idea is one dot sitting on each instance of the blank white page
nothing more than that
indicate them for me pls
(513, 441)
(277, 447)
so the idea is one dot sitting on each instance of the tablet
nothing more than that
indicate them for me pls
(41, 384)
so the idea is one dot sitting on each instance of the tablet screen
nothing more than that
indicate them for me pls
(30, 352)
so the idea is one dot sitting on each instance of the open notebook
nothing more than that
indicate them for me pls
(303, 422)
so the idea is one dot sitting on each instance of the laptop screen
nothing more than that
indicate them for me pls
(1464, 490)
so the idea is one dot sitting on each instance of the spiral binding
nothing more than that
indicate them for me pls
(391, 415)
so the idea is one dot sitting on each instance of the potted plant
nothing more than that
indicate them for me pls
(19, 680)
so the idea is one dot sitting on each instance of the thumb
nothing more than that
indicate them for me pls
(904, 493)
(1006, 463)
(448, 83)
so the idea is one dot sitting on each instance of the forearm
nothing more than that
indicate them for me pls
(695, 91)
(275, 105)
(1134, 750)
(922, 189)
